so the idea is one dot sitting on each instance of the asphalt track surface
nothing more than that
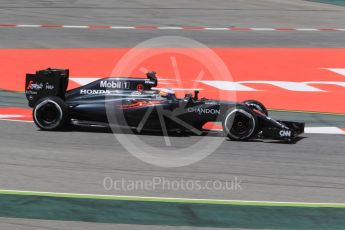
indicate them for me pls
(239, 13)
(79, 161)
(310, 171)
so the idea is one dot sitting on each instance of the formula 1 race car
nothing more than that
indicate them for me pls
(135, 103)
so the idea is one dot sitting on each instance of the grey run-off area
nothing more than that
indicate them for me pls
(221, 13)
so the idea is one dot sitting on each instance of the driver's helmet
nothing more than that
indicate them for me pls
(166, 92)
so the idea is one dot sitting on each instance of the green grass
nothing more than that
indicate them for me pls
(334, 2)
(171, 212)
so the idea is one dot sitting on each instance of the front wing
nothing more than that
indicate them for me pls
(282, 130)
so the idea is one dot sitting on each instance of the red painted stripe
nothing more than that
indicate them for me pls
(25, 113)
(144, 27)
(328, 29)
(99, 27)
(212, 126)
(51, 26)
(239, 28)
(193, 27)
(12, 110)
(8, 25)
(285, 29)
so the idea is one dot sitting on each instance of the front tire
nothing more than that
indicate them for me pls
(240, 123)
(50, 113)
(257, 105)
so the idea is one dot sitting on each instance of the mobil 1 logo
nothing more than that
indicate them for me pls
(114, 84)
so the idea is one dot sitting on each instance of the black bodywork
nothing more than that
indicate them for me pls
(133, 102)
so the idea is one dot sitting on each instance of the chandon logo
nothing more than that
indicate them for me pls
(200, 110)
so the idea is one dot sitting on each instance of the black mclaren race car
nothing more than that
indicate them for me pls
(135, 103)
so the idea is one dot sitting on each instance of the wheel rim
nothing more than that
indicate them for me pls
(48, 114)
(241, 122)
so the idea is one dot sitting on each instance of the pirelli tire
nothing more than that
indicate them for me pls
(50, 114)
(254, 104)
(240, 123)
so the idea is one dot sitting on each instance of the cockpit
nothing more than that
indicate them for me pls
(167, 93)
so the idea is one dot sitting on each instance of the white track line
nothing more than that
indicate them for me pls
(6, 116)
(29, 26)
(306, 29)
(170, 28)
(264, 29)
(324, 130)
(169, 199)
(216, 28)
(153, 27)
(12, 120)
(123, 27)
(68, 26)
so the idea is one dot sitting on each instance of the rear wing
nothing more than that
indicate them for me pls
(48, 82)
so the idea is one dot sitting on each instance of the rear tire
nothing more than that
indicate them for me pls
(240, 123)
(254, 104)
(50, 113)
